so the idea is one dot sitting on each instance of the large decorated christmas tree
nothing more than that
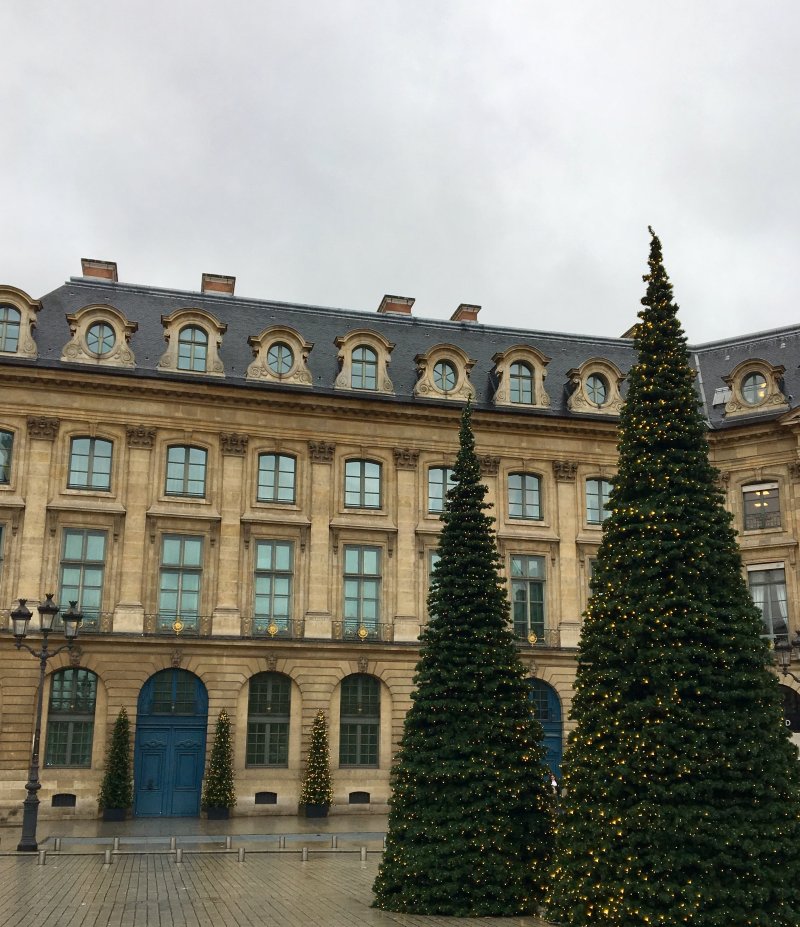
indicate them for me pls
(470, 824)
(682, 802)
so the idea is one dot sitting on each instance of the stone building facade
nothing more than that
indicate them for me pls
(244, 498)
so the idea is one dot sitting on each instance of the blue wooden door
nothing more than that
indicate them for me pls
(170, 745)
(546, 707)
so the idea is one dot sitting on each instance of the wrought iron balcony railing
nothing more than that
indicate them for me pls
(754, 521)
(549, 637)
(353, 630)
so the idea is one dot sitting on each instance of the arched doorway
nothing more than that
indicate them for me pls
(170, 745)
(546, 707)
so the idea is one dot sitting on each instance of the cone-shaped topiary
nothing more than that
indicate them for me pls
(219, 790)
(470, 822)
(116, 789)
(682, 801)
(317, 788)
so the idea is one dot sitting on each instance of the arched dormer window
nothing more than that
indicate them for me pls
(364, 359)
(597, 383)
(521, 372)
(443, 373)
(17, 322)
(100, 336)
(280, 357)
(755, 386)
(193, 338)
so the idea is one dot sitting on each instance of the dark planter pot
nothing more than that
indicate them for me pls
(218, 814)
(115, 814)
(316, 811)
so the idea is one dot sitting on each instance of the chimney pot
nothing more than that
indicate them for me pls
(102, 270)
(217, 283)
(400, 305)
(466, 312)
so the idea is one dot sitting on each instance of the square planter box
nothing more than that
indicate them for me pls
(115, 814)
(316, 811)
(218, 814)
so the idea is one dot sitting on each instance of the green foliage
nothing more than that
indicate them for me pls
(116, 789)
(317, 788)
(470, 821)
(681, 802)
(219, 790)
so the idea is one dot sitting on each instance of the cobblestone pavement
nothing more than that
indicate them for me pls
(205, 890)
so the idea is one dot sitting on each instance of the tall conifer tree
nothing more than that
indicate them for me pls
(682, 787)
(470, 822)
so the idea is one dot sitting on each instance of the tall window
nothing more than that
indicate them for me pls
(179, 584)
(6, 448)
(186, 471)
(268, 720)
(362, 589)
(362, 484)
(364, 368)
(359, 720)
(440, 480)
(70, 718)
(520, 382)
(9, 328)
(83, 559)
(597, 492)
(768, 589)
(527, 596)
(192, 348)
(90, 464)
(524, 496)
(273, 587)
(762, 506)
(276, 478)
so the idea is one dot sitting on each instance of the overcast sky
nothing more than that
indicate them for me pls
(510, 154)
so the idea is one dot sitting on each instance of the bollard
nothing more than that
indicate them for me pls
(334, 842)
(116, 844)
(179, 855)
(241, 854)
(42, 857)
(363, 854)
(281, 843)
(173, 843)
(57, 844)
(304, 854)
(107, 858)
(228, 842)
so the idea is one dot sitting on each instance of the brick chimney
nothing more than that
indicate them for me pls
(216, 283)
(466, 313)
(400, 305)
(102, 270)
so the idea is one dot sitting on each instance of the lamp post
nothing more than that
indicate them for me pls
(20, 619)
(784, 651)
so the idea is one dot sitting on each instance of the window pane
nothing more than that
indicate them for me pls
(6, 445)
(9, 328)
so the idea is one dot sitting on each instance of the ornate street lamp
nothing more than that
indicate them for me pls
(784, 651)
(20, 619)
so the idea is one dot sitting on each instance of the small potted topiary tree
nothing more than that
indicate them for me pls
(219, 794)
(316, 794)
(116, 789)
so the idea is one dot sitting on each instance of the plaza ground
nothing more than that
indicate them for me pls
(144, 885)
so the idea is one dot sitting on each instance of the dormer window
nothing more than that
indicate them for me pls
(280, 357)
(520, 383)
(194, 338)
(596, 389)
(364, 358)
(444, 376)
(101, 336)
(756, 386)
(192, 349)
(521, 371)
(9, 329)
(597, 383)
(444, 373)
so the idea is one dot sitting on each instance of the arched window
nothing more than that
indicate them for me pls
(186, 471)
(276, 478)
(362, 484)
(90, 464)
(70, 718)
(520, 381)
(524, 496)
(364, 368)
(754, 388)
(359, 720)
(9, 328)
(546, 707)
(445, 376)
(268, 708)
(6, 448)
(192, 348)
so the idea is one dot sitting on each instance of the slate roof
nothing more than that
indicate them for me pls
(411, 335)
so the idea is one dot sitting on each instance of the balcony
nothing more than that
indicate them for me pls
(273, 628)
(353, 630)
(538, 639)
